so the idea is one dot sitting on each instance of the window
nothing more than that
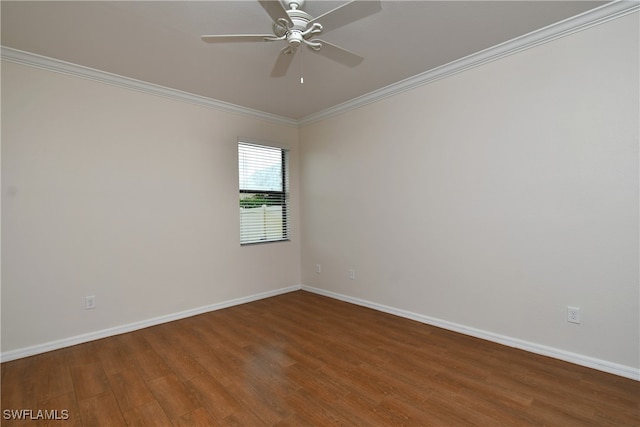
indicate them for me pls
(264, 193)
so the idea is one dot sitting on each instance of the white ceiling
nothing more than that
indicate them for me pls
(159, 42)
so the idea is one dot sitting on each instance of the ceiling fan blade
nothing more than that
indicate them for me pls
(347, 13)
(276, 11)
(338, 54)
(232, 38)
(283, 62)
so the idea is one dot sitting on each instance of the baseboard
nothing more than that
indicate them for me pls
(575, 358)
(104, 333)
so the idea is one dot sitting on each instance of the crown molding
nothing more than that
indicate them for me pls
(68, 68)
(588, 19)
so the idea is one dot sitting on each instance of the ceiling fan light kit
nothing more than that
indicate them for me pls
(296, 27)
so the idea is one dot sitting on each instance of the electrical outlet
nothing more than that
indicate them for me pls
(89, 302)
(352, 274)
(573, 314)
(318, 268)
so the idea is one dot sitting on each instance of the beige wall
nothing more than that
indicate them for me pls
(491, 199)
(126, 196)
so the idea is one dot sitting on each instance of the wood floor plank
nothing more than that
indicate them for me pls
(101, 410)
(60, 402)
(304, 359)
(214, 396)
(111, 355)
(393, 411)
(19, 385)
(466, 408)
(172, 354)
(54, 378)
(313, 380)
(362, 407)
(129, 389)
(173, 396)
(150, 364)
(269, 409)
(243, 419)
(89, 380)
(150, 414)
(197, 418)
(81, 354)
(219, 367)
(308, 410)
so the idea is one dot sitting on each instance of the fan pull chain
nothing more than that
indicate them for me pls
(301, 67)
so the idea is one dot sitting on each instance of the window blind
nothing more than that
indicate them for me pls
(264, 184)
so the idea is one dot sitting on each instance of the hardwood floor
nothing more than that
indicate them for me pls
(302, 359)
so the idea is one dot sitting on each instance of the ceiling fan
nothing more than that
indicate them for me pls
(296, 27)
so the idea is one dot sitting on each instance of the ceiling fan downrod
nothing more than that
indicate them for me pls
(293, 4)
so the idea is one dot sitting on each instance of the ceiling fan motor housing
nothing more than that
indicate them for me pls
(299, 18)
(299, 32)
